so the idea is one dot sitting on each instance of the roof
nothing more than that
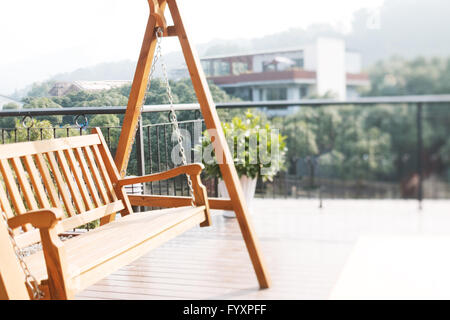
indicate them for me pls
(100, 85)
(253, 53)
(262, 52)
(62, 88)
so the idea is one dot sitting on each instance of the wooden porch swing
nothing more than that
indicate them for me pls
(57, 185)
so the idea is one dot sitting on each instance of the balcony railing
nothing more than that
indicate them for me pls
(420, 169)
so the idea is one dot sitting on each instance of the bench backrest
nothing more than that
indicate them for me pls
(76, 174)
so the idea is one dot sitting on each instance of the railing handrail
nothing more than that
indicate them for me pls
(424, 99)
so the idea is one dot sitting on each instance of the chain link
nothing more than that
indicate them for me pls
(30, 280)
(172, 114)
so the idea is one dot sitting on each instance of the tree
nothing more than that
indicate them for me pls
(338, 141)
(312, 133)
(80, 99)
(106, 121)
(44, 103)
(11, 106)
(40, 89)
(365, 151)
(398, 76)
(8, 122)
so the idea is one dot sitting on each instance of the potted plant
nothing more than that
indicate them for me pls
(257, 148)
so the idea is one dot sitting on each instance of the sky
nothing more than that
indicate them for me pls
(39, 38)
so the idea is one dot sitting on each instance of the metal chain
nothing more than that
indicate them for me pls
(30, 280)
(172, 114)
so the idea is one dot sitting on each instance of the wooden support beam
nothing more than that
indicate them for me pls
(175, 202)
(171, 32)
(157, 12)
(138, 89)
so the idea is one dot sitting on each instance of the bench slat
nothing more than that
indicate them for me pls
(5, 202)
(92, 215)
(74, 168)
(61, 184)
(13, 191)
(22, 149)
(70, 181)
(48, 182)
(96, 175)
(24, 184)
(36, 182)
(87, 177)
(104, 173)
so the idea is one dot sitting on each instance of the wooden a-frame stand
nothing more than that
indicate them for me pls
(212, 121)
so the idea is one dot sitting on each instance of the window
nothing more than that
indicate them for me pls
(276, 94)
(239, 68)
(261, 95)
(207, 68)
(221, 68)
(299, 63)
(245, 94)
(303, 92)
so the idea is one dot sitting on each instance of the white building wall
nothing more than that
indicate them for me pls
(353, 62)
(310, 56)
(331, 67)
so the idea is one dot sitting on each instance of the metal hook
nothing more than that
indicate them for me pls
(83, 125)
(31, 122)
(159, 33)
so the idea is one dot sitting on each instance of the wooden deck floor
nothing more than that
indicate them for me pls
(305, 248)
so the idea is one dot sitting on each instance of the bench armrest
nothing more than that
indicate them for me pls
(193, 170)
(190, 169)
(44, 218)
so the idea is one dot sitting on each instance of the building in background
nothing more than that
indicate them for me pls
(324, 68)
(62, 88)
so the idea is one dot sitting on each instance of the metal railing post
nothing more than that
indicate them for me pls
(140, 155)
(420, 153)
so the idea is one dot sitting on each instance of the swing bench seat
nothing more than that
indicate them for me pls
(103, 250)
(54, 186)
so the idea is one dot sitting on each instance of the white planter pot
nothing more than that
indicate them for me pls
(249, 188)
